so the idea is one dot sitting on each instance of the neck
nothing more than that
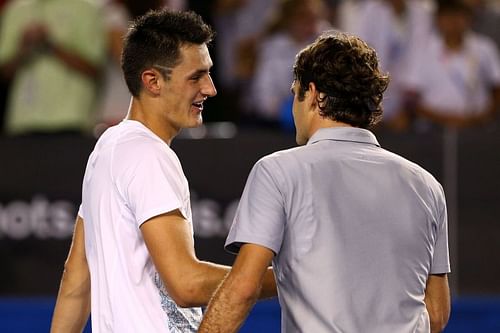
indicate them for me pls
(142, 110)
(453, 43)
(319, 122)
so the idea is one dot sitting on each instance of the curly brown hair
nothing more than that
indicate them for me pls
(346, 72)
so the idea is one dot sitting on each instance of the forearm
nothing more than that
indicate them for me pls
(205, 279)
(200, 285)
(233, 300)
(451, 120)
(268, 285)
(73, 301)
(437, 301)
(229, 307)
(72, 308)
(74, 61)
(9, 68)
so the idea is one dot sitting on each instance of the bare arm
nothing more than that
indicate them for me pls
(189, 281)
(237, 294)
(437, 301)
(461, 121)
(36, 40)
(74, 61)
(73, 301)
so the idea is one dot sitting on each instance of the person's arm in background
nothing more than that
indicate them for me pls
(237, 294)
(36, 41)
(414, 106)
(437, 301)
(189, 281)
(72, 59)
(73, 300)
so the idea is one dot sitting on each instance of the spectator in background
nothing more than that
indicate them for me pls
(486, 18)
(397, 30)
(238, 24)
(348, 15)
(4, 83)
(53, 51)
(456, 82)
(296, 24)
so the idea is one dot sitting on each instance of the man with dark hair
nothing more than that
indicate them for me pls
(132, 261)
(357, 235)
(456, 82)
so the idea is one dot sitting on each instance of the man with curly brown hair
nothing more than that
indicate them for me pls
(357, 235)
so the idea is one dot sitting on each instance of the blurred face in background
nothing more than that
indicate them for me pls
(453, 24)
(304, 21)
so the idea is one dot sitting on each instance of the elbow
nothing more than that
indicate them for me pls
(185, 295)
(189, 291)
(76, 282)
(438, 320)
(438, 326)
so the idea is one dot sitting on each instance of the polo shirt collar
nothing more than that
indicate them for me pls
(351, 134)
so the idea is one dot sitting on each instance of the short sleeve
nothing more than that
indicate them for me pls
(153, 183)
(11, 23)
(260, 217)
(80, 211)
(491, 63)
(441, 258)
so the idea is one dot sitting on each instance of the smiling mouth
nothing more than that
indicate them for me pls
(198, 105)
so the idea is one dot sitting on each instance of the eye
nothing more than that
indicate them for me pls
(198, 76)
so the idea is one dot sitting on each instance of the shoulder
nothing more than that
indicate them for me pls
(416, 174)
(481, 43)
(282, 162)
(135, 142)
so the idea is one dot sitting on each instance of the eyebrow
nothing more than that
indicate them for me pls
(200, 71)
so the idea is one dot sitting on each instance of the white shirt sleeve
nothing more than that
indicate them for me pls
(260, 218)
(441, 257)
(154, 183)
(491, 63)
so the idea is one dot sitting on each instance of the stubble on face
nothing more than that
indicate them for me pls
(189, 86)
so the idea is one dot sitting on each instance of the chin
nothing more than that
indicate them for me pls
(196, 122)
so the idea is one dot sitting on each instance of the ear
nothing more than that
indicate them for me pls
(312, 95)
(151, 80)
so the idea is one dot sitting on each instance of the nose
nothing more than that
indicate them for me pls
(208, 88)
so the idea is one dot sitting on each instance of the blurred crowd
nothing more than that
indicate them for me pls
(60, 59)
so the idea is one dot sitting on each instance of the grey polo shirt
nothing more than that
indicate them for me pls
(356, 231)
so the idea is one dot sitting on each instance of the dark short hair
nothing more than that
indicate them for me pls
(155, 39)
(346, 70)
(453, 6)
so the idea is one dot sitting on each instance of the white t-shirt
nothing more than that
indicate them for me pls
(131, 176)
(456, 83)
